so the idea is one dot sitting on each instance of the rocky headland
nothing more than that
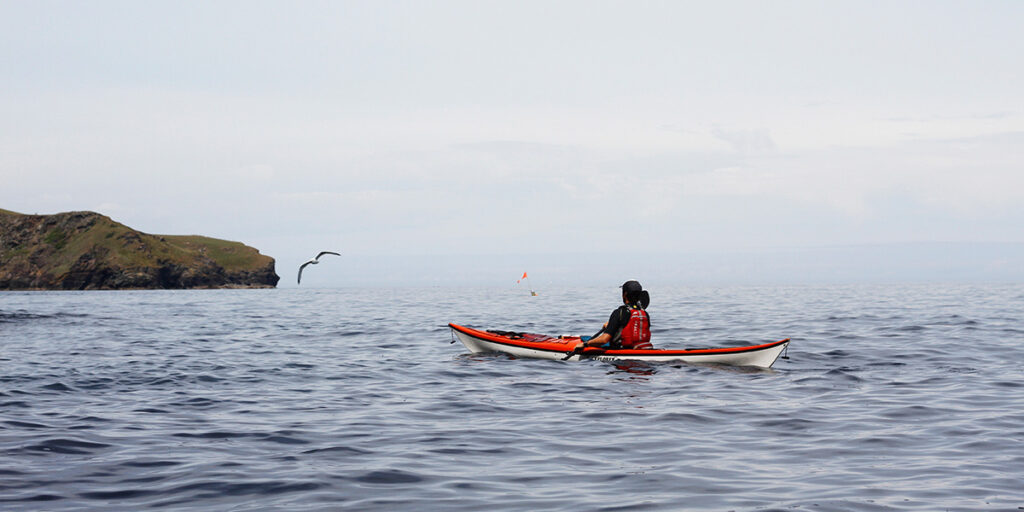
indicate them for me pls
(89, 251)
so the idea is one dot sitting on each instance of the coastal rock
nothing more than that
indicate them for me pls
(89, 251)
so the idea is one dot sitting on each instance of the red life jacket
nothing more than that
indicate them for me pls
(637, 332)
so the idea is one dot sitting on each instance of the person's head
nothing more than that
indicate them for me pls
(631, 291)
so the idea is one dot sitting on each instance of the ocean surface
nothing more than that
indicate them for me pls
(898, 397)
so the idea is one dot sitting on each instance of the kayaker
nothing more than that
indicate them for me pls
(629, 326)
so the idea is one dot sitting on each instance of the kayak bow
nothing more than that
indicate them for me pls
(540, 346)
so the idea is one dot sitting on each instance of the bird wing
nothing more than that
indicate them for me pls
(325, 252)
(299, 280)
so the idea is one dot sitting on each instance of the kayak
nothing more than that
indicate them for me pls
(569, 348)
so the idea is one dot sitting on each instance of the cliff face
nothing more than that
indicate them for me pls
(89, 251)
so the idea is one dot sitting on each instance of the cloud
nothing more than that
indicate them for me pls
(747, 141)
(969, 178)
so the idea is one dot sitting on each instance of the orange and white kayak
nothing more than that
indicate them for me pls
(569, 348)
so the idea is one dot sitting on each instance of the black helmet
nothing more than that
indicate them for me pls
(631, 286)
(635, 294)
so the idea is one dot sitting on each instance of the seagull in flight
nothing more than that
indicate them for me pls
(313, 261)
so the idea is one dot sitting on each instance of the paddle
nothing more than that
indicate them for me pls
(579, 350)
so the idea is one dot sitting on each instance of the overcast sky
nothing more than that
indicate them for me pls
(418, 131)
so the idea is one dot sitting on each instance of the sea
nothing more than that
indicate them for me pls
(897, 397)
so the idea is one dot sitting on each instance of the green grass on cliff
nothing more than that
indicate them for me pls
(50, 251)
(124, 247)
(230, 255)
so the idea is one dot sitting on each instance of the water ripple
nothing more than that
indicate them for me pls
(894, 398)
